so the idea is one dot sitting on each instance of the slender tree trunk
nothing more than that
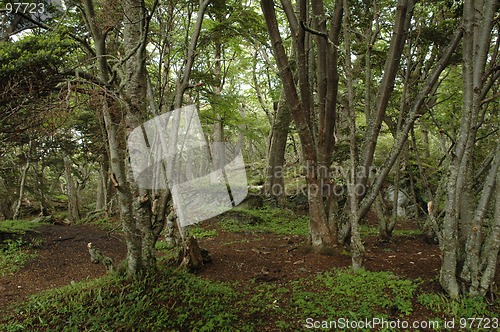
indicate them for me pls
(118, 178)
(356, 243)
(401, 137)
(218, 126)
(425, 143)
(22, 185)
(475, 241)
(275, 184)
(104, 189)
(100, 202)
(71, 192)
(404, 14)
(183, 82)
(258, 90)
(40, 187)
(491, 246)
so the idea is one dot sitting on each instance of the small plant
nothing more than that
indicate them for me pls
(170, 300)
(366, 230)
(13, 256)
(163, 246)
(462, 307)
(37, 242)
(201, 233)
(357, 295)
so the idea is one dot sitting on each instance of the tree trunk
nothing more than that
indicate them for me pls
(463, 224)
(135, 90)
(183, 82)
(320, 234)
(103, 184)
(317, 141)
(40, 186)
(356, 244)
(24, 172)
(491, 247)
(118, 177)
(275, 184)
(404, 14)
(71, 192)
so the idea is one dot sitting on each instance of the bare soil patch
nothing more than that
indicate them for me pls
(269, 257)
(61, 258)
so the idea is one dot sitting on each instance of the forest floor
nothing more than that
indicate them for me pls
(279, 258)
(62, 257)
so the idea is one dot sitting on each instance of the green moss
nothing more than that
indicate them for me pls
(265, 220)
(17, 226)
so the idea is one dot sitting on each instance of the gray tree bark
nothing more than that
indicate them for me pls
(22, 185)
(71, 192)
(465, 221)
(275, 184)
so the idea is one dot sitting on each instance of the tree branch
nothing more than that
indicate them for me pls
(49, 28)
(314, 32)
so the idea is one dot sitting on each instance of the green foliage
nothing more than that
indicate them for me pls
(460, 308)
(355, 295)
(13, 256)
(35, 62)
(163, 246)
(262, 302)
(17, 226)
(34, 55)
(265, 220)
(172, 300)
(178, 301)
(367, 230)
(15, 251)
(201, 233)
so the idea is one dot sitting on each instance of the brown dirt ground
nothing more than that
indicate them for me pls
(63, 258)
(270, 257)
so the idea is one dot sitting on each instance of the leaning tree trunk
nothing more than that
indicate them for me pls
(317, 139)
(275, 184)
(374, 121)
(22, 186)
(370, 193)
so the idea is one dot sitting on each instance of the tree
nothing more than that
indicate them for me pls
(317, 139)
(142, 212)
(470, 236)
(313, 103)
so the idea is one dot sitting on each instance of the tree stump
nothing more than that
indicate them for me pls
(192, 257)
(97, 257)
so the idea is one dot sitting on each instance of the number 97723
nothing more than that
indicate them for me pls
(24, 8)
